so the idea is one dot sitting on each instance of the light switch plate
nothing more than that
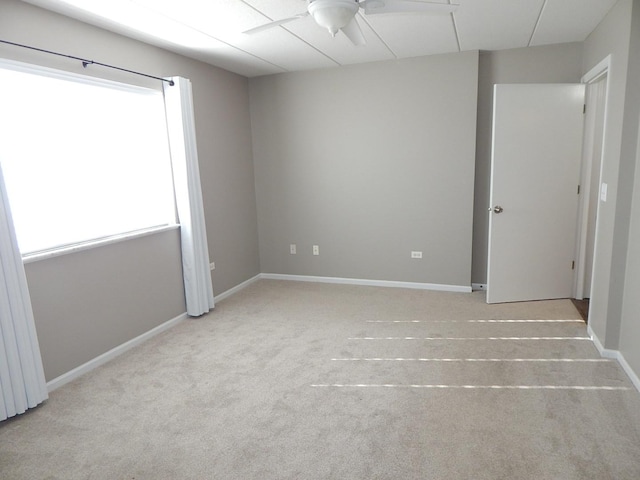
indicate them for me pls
(603, 192)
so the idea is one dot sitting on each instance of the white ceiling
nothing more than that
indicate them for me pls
(211, 30)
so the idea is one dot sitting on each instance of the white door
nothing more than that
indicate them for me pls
(535, 170)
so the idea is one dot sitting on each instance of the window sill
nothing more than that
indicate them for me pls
(37, 256)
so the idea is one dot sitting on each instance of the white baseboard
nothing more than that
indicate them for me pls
(111, 354)
(370, 283)
(120, 349)
(236, 289)
(596, 340)
(628, 370)
(615, 355)
(478, 286)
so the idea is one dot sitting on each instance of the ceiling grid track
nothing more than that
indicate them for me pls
(315, 48)
(456, 31)
(535, 28)
(395, 55)
(293, 34)
(159, 12)
(212, 32)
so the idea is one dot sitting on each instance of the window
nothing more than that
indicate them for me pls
(83, 159)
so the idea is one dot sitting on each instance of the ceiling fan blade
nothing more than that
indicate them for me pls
(275, 23)
(401, 6)
(354, 33)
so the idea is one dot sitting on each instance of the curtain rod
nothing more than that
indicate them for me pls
(86, 62)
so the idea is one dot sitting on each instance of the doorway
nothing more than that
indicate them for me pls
(593, 191)
(535, 170)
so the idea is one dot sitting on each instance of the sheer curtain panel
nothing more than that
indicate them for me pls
(22, 383)
(186, 176)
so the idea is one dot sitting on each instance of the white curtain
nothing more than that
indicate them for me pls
(22, 383)
(184, 158)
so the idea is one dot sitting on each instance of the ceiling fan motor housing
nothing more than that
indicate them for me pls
(333, 14)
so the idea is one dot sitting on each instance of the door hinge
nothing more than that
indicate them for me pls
(578, 189)
(584, 108)
(573, 265)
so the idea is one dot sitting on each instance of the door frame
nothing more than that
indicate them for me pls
(595, 74)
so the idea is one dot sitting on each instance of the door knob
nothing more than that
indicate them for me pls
(498, 209)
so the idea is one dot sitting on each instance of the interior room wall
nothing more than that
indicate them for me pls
(369, 162)
(630, 159)
(89, 302)
(630, 321)
(611, 37)
(560, 63)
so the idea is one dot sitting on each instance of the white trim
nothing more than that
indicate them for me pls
(111, 354)
(600, 69)
(628, 370)
(370, 283)
(120, 349)
(596, 341)
(478, 286)
(78, 247)
(236, 289)
(595, 74)
(616, 355)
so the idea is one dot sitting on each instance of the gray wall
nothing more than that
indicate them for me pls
(630, 322)
(549, 64)
(630, 160)
(87, 303)
(611, 37)
(369, 162)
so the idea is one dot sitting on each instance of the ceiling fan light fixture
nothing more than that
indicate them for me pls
(333, 14)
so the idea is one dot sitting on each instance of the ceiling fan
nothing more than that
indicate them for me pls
(339, 15)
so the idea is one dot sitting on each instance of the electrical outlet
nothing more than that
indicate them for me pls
(416, 254)
(212, 266)
(292, 249)
(316, 250)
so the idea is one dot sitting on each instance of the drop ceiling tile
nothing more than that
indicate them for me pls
(413, 35)
(496, 24)
(276, 10)
(211, 30)
(284, 49)
(213, 17)
(225, 20)
(200, 46)
(340, 48)
(230, 58)
(570, 20)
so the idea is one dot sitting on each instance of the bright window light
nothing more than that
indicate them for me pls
(83, 159)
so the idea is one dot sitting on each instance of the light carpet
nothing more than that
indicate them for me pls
(288, 380)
